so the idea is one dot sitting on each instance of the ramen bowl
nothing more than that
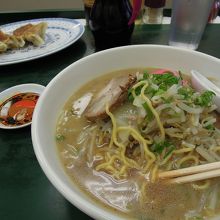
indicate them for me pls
(77, 74)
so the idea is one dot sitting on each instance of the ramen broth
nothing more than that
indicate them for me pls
(157, 201)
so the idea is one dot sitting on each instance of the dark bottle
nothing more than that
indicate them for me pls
(109, 23)
(88, 6)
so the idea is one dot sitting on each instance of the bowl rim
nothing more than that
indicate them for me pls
(95, 211)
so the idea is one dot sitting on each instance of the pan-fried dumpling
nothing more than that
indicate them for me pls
(14, 42)
(36, 34)
(19, 32)
(11, 41)
(20, 41)
(3, 36)
(3, 47)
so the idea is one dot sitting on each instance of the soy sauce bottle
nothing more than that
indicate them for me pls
(109, 23)
(87, 8)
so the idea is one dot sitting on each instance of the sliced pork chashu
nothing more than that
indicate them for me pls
(112, 95)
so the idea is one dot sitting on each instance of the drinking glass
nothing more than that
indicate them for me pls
(189, 18)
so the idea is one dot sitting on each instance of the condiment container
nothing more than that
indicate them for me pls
(153, 11)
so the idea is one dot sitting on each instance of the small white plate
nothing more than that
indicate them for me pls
(23, 88)
(60, 33)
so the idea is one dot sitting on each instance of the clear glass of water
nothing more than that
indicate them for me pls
(189, 18)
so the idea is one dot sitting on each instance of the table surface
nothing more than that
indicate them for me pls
(25, 192)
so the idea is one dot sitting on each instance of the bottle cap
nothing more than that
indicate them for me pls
(155, 3)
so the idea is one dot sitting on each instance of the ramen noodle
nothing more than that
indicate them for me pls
(117, 132)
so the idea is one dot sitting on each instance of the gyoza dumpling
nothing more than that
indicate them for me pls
(11, 41)
(29, 32)
(36, 33)
(3, 47)
(19, 32)
(14, 42)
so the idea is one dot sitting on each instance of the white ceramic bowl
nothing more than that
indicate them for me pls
(71, 78)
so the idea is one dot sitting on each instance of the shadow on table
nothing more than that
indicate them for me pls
(75, 213)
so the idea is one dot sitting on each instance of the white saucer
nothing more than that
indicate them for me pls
(23, 88)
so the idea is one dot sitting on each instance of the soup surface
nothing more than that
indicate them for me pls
(105, 155)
